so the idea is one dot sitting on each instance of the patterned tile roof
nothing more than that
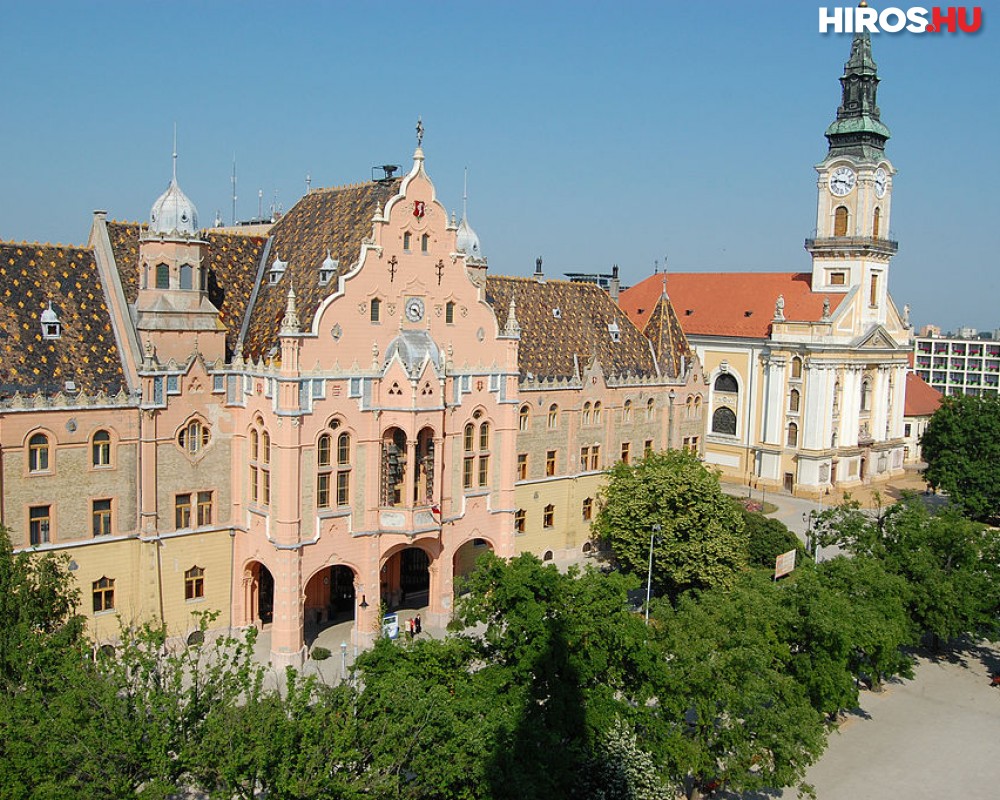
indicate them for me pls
(32, 276)
(729, 303)
(335, 220)
(560, 320)
(665, 332)
(232, 259)
(921, 399)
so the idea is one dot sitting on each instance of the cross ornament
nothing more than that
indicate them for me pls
(392, 268)
(440, 269)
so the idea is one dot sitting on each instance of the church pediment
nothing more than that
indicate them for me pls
(877, 338)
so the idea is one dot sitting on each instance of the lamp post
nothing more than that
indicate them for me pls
(343, 661)
(649, 575)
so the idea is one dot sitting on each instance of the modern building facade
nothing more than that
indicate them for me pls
(806, 370)
(958, 365)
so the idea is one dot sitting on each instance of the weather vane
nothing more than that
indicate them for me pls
(420, 133)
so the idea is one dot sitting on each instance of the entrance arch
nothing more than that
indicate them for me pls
(406, 578)
(330, 596)
(258, 593)
(464, 560)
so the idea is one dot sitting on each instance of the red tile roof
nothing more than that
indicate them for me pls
(728, 303)
(922, 399)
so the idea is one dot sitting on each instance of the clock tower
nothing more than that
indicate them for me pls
(851, 248)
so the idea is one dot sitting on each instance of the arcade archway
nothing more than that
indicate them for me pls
(464, 560)
(406, 579)
(329, 596)
(258, 588)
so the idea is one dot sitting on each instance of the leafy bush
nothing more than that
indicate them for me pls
(320, 653)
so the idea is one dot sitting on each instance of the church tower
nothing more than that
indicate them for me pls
(851, 249)
(173, 312)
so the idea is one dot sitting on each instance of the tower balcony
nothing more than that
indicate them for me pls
(829, 245)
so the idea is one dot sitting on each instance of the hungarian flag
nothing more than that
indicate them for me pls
(436, 510)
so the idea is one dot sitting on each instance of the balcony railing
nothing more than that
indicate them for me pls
(870, 244)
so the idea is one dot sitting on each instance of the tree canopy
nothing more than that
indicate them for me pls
(698, 532)
(962, 448)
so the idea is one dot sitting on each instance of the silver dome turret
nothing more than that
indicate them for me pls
(173, 213)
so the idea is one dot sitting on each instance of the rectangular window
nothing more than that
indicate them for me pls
(468, 465)
(873, 295)
(323, 490)
(588, 509)
(549, 517)
(595, 457)
(484, 470)
(39, 525)
(647, 447)
(265, 486)
(520, 520)
(343, 488)
(838, 278)
(182, 511)
(204, 508)
(584, 458)
(550, 463)
(101, 517)
(449, 313)
(626, 448)
(104, 595)
(253, 484)
(522, 466)
(907, 428)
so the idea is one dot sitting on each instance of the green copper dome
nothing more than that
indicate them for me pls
(858, 130)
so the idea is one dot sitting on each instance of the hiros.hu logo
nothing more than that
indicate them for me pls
(892, 20)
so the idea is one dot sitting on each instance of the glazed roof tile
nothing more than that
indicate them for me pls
(739, 304)
(335, 220)
(232, 259)
(550, 340)
(921, 399)
(32, 276)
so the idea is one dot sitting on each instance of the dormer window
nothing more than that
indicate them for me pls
(51, 326)
(328, 269)
(615, 331)
(557, 313)
(276, 272)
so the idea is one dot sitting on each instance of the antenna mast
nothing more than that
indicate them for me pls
(234, 189)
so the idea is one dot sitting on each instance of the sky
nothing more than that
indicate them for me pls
(628, 133)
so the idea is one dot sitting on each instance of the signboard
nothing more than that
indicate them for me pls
(784, 564)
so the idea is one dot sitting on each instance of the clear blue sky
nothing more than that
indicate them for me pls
(594, 133)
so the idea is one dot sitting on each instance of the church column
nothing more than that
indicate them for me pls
(814, 429)
(774, 399)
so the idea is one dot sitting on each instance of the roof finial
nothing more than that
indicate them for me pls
(465, 192)
(290, 322)
(420, 132)
(175, 152)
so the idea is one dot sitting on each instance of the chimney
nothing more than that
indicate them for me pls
(614, 284)
(538, 268)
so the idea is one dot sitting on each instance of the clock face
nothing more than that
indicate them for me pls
(842, 181)
(414, 309)
(881, 179)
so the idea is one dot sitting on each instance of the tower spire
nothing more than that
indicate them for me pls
(465, 192)
(175, 153)
(858, 129)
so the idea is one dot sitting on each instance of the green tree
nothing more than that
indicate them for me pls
(951, 565)
(768, 538)
(962, 448)
(700, 541)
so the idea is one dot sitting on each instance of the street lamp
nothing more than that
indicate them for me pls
(649, 575)
(343, 660)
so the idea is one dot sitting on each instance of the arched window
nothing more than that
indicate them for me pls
(523, 418)
(627, 411)
(876, 221)
(449, 312)
(553, 421)
(836, 397)
(162, 276)
(597, 413)
(697, 407)
(484, 436)
(650, 409)
(793, 435)
(424, 242)
(796, 367)
(260, 464)
(866, 395)
(393, 467)
(726, 383)
(38, 453)
(724, 421)
(194, 583)
(100, 449)
(324, 450)
(468, 438)
(689, 408)
(793, 400)
(549, 516)
(344, 469)
(840, 217)
(254, 445)
(586, 413)
(376, 309)
(484, 454)
(186, 272)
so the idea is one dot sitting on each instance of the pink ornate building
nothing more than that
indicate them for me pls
(307, 425)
